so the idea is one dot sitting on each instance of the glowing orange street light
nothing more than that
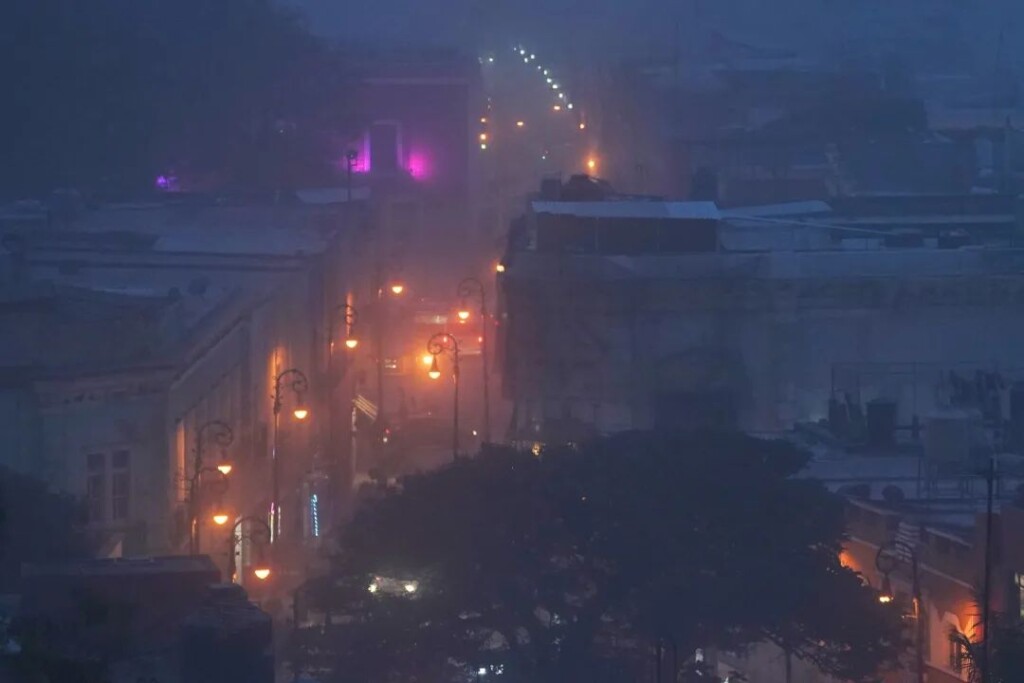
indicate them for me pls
(500, 268)
(557, 107)
(261, 572)
(520, 124)
(351, 343)
(591, 164)
(483, 119)
(885, 596)
(483, 137)
(463, 315)
(224, 468)
(220, 518)
(427, 359)
(300, 412)
(583, 126)
(435, 372)
(397, 288)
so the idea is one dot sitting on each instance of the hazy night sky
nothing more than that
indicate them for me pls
(925, 30)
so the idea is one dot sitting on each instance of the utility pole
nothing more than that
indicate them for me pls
(986, 608)
(469, 288)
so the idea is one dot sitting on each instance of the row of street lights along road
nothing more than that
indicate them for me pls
(446, 343)
(295, 382)
(219, 433)
(562, 101)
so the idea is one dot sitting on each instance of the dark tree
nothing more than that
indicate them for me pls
(36, 525)
(106, 94)
(1006, 652)
(572, 566)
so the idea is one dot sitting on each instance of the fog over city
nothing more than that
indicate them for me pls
(545, 341)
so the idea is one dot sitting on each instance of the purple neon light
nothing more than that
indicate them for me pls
(418, 165)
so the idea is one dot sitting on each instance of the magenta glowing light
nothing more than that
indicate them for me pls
(361, 164)
(166, 182)
(418, 165)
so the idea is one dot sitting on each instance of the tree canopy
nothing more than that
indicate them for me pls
(573, 565)
(1006, 651)
(107, 94)
(36, 525)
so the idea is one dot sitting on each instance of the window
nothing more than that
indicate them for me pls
(108, 486)
(956, 653)
(385, 145)
(96, 487)
(120, 485)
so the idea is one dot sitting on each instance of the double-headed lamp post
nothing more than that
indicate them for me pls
(259, 534)
(473, 288)
(440, 343)
(219, 515)
(296, 381)
(220, 434)
(397, 288)
(886, 560)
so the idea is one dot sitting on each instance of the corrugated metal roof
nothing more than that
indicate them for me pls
(630, 209)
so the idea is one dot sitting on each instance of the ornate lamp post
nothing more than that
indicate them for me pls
(260, 536)
(441, 343)
(350, 316)
(396, 288)
(350, 160)
(886, 561)
(219, 517)
(473, 288)
(296, 381)
(219, 433)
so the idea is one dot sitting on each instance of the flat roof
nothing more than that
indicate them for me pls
(630, 209)
(814, 206)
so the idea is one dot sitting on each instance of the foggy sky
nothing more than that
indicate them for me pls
(925, 31)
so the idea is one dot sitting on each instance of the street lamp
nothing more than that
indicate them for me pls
(350, 316)
(473, 288)
(219, 433)
(396, 287)
(886, 561)
(219, 516)
(441, 343)
(260, 536)
(350, 160)
(296, 381)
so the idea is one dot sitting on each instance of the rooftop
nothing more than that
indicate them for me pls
(169, 564)
(54, 330)
(642, 209)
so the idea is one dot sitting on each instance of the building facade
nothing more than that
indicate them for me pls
(158, 321)
(632, 314)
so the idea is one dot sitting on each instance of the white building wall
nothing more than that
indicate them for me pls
(619, 338)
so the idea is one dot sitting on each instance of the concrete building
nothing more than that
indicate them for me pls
(637, 313)
(134, 325)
